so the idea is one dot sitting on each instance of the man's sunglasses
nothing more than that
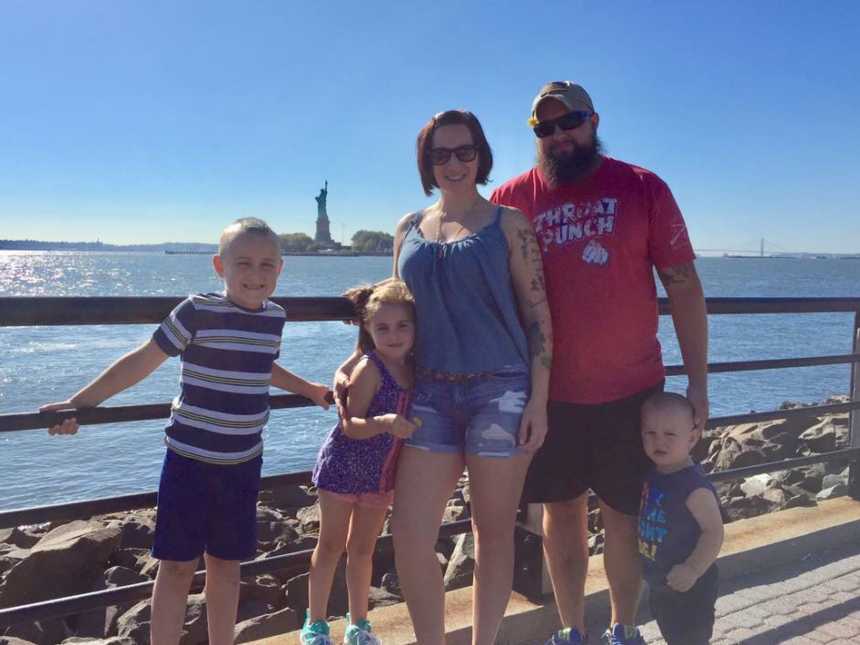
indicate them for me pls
(441, 156)
(569, 121)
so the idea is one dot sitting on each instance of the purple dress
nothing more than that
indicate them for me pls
(354, 466)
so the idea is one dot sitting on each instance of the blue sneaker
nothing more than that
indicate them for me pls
(315, 633)
(359, 633)
(620, 634)
(567, 636)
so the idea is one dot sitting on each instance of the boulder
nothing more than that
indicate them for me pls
(274, 624)
(819, 438)
(134, 624)
(43, 632)
(65, 562)
(290, 496)
(309, 516)
(16, 537)
(461, 564)
(839, 490)
(378, 597)
(195, 628)
(83, 640)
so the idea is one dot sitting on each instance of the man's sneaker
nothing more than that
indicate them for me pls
(315, 633)
(620, 634)
(567, 636)
(359, 633)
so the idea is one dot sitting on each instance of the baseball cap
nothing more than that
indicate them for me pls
(573, 96)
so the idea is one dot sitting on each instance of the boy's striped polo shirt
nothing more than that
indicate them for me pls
(226, 368)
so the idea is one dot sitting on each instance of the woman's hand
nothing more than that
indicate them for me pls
(533, 426)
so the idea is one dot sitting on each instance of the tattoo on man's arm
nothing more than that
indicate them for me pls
(676, 275)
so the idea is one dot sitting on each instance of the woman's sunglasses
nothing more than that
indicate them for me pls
(569, 121)
(441, 156)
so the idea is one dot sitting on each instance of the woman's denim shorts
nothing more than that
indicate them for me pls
(479, 416)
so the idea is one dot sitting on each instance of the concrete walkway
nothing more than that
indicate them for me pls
(814, 600)
(787, 577)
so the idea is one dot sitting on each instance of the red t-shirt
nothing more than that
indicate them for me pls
(601, 238)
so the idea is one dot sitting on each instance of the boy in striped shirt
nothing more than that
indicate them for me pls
(207, 497)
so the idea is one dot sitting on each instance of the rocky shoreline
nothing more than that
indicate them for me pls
(51, 560)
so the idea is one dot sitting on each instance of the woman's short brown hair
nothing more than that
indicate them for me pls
(425, 143)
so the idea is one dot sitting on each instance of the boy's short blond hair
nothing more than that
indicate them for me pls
(243, 226)
(669, 401)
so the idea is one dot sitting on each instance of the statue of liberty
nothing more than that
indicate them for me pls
(323, 234)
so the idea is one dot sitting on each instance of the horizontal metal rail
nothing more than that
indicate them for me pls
(88, 508)
(120, 414)
(846, 454)
(20, 311)
(769, 364)
(70, 605)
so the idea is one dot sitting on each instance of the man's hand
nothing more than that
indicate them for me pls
(698, 396)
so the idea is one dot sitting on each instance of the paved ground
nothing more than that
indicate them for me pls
(813, 601)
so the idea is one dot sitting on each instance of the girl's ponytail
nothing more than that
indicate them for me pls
(367, 299)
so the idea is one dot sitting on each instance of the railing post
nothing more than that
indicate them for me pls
(531, 577)
(854, 415)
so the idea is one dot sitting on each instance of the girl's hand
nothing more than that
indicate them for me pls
(67, 426)
(398, 425)
(320, 394)
(533, 426)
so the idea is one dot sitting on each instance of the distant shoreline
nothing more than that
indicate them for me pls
(166, 249)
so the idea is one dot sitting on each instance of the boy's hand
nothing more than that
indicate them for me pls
(320, 394)
(681, 577)
(398, 425)
(339, 387)
(68, 426)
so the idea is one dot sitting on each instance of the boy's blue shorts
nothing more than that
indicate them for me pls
(208, 508)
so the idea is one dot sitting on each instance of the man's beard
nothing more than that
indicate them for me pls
(569, 167)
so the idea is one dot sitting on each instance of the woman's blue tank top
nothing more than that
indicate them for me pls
(464, 298)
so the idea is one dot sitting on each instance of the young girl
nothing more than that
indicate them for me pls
(356, 464)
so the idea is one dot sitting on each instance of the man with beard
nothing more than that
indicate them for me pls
(603, 226)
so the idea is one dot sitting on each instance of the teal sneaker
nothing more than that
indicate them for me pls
(315, 633)
(620, 634)
(567, 636)
(359, 633)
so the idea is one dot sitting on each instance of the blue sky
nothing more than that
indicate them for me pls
(148, 121)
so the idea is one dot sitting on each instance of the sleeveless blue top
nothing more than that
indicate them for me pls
(464, 299)
(668, 532)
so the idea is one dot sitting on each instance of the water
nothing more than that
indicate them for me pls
(41, 365)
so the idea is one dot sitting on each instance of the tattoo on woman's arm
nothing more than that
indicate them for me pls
(537, 344)
(531, 255)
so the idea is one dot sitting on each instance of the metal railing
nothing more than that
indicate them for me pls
(89, 311)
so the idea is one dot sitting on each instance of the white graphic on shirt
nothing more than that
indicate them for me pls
(511, 401)
(594, 253)
(576, 221)
(679, 234)
(497, 433)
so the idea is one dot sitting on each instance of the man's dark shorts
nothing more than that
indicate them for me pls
(596, 446)
(206, 507)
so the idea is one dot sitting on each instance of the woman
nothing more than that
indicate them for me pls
(483, 355)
